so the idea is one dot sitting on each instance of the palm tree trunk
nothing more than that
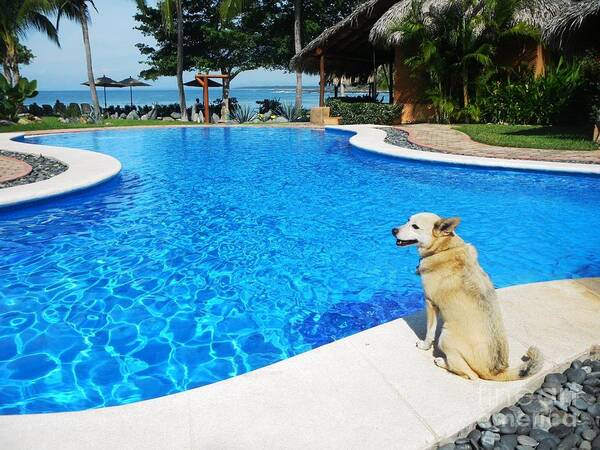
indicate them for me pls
(182, 107)
(465, 82)
(225, 104)
(13, 62)
(7, 72)
(297, 48)
(90, 70)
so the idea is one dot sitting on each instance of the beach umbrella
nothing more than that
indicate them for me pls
(195, 83)
(105, 82)
(132, 82)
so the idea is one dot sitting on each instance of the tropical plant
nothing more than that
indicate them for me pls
(290, 111)
(11, 97)
(370, 112)
(172, 21)
(244, 113)
(532, 100)
(17, 18)
(79, 11)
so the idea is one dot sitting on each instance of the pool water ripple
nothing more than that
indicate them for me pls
(220, 250)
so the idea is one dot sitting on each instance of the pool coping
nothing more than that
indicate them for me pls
(372, 138)
(373, 389)
(84, 169)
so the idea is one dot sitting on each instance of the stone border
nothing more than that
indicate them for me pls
(84, 169)
(40, 168)
(372, 138)
(373, 389)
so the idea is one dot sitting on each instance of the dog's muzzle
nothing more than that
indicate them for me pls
(400, 242)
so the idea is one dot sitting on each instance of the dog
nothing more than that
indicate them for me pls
(473, 338)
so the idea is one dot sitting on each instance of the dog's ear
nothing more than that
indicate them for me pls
(445, 227)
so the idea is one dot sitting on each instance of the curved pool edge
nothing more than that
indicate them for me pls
(85, 169)
(338, 394)
(372, 138)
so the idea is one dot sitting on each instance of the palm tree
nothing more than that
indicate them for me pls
(16, 19)
(172, 12)
(231, 8)
(79, 11)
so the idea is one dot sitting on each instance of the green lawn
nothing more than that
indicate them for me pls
(52, 123)
(532, 136)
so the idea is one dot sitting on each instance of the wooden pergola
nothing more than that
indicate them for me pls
(203, 79)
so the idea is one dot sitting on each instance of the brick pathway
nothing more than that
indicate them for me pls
(444, 139)
(11, 169)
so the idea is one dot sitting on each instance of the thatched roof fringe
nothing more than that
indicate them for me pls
(570, 18)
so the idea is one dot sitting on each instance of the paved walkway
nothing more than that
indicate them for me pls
(445, 139)
(11, 169)
(374, 389)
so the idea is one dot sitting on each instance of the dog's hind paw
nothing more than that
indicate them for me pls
(424, 345)
(440, 362)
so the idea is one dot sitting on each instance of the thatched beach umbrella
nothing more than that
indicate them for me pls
(105, 82)
(131, 83)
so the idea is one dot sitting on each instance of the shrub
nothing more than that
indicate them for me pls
(12, 97)
(354, 112)
(268, 105)
(535, 101)
(35, 109)
(73, 111)
(244, 113)
(290, 112)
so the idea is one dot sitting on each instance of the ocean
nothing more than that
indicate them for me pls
(149, 96)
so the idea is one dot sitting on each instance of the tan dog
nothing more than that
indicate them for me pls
(456, 287)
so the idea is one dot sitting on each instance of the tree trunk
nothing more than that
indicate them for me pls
(297, 48)
(225, 104)
(182, 107)
(90, 70)
(465, 81)
(13, 62)
(7, 71)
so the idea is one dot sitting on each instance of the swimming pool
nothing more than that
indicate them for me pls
(220, 250)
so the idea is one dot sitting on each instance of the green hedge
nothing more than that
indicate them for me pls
(373, 112)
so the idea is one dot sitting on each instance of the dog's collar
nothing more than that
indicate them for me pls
(422, 258)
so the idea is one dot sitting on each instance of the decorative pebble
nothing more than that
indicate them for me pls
(585, 445)
(575, 375)
(527, 440)
(42, 168)
(568, 442)
(589, 434)
(547, 444)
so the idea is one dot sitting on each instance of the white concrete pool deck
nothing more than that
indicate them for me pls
(374, 389)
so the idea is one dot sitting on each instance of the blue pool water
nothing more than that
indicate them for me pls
(220, 250)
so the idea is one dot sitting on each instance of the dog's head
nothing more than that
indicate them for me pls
(423, 229)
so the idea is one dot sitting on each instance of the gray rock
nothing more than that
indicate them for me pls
(144, 117)
(6, 123)
(123, 116)
(447, 447)
(509, 440)
(547, 444)
(576, 364)
(536, 405)
(587, 369)
(133, 115)
(474, 437)
(596, 443)
(555, 378)
(280, 119)
(153, 114)
(575, 375)
(580, 404)
(562, 406)
(489, 439)
(525, 447)
(568, 442)
(593, 375)
(575, 387)
(541, 435)
(585, 445)
(594, 410)
(594, 382)
(167, 119)
(176, 115)
(502, 446)
(86, 108)
(561, 430)
(527, 440)
(462, 444)
(214, 118)
(589, 434)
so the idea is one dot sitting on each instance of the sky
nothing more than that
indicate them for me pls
(113, 37)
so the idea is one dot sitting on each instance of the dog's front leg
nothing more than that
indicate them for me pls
(431, 326)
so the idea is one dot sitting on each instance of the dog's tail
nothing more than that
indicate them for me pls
(532, 364)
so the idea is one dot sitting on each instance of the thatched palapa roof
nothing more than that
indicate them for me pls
(346, 44)
(576, 24)
(533, 12)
